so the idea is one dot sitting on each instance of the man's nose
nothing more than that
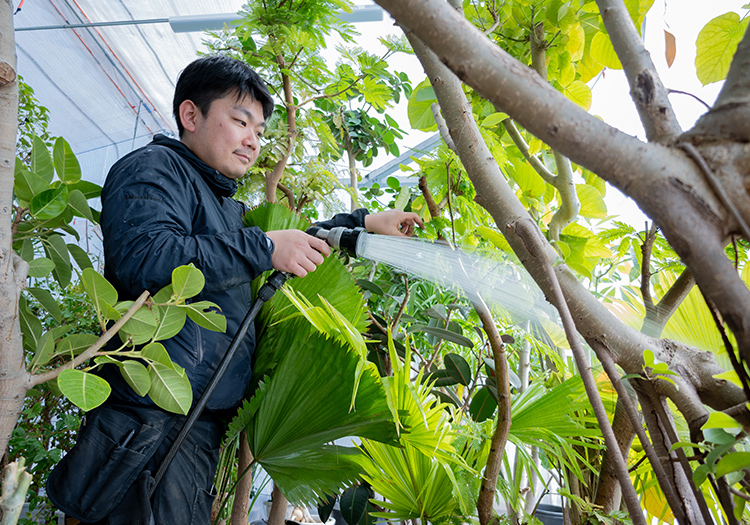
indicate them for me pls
(252, 141)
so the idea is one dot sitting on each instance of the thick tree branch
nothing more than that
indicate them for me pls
(666, 184)
(729, 119)
(646, 89)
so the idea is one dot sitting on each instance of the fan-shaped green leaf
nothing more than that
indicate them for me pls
(86, 391)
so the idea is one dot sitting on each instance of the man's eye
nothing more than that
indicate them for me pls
(241, 122)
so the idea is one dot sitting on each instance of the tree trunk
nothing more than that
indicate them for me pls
(278, 507)
(13, 377)
(241, 505)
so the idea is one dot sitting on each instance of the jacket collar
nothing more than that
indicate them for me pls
(219, 184)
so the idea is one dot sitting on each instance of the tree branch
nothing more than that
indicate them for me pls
(38, 379)
(646, 89)
(520, 143)
(530, 236)
(729, 119)
(654, 324)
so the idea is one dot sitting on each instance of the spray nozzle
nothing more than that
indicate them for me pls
(340, 238)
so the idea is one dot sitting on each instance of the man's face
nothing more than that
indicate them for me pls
(227, 137)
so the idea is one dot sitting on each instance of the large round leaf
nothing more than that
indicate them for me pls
(86, 391)
(353, 504)
(482, 405)
(187, 281)
(136, 375)
(458, 368)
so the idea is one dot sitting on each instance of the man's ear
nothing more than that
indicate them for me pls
(189, 114)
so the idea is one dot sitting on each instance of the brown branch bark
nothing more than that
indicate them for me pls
(729, 119)
(277, 515)
(646, 89)
(273, 178)
(654, 324)
(241, 505)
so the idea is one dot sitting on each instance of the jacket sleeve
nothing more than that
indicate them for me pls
(348, 220)
(153, 220)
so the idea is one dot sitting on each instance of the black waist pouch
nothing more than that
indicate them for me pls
(112, 449)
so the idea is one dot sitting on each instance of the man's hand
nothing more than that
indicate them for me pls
(393, 222)
(297, 252)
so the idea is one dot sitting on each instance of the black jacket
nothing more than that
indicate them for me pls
(163, 207)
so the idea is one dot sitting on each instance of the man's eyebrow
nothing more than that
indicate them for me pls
(248, 113)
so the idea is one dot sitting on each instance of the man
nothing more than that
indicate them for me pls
(163, 206)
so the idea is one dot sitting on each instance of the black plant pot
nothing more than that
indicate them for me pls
(549, 514)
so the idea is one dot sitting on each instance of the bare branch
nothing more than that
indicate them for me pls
(520, 143)
(654, 323)
(442, 128)
(646, 89)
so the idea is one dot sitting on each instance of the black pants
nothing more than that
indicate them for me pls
(116, 444)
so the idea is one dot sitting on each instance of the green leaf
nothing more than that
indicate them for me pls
(45, 348)
(200, 314)
(325, 507)
(171, 321)
(141, 326)
(47, 301)
(716, 45)
(187, 282)
(27, 184)
(170, 390)
(86, 391)
(482, 405)
(530, 182)
(579, 93)
(74, 344)
(442, 333)
(592, 204)
(458, 368)
(89, 189)
(372, 287)
(40, 267)
(493, 120)
(80, 256)
(720, 420)
(420, 107)
(732, 462)
(41, 161)
(136, 375)
(403, 198)
(78, 202)
(603, 52)
(353, 503)
(157, 353)
(66, 164)
(57, 250)
(99, 290)
(49, 204)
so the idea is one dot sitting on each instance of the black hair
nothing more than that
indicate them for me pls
(214, 76)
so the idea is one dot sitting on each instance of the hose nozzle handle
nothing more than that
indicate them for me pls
(339, 238)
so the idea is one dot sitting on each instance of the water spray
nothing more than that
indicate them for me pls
(498, 282)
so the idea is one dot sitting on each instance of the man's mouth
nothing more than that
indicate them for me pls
(246, 157)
